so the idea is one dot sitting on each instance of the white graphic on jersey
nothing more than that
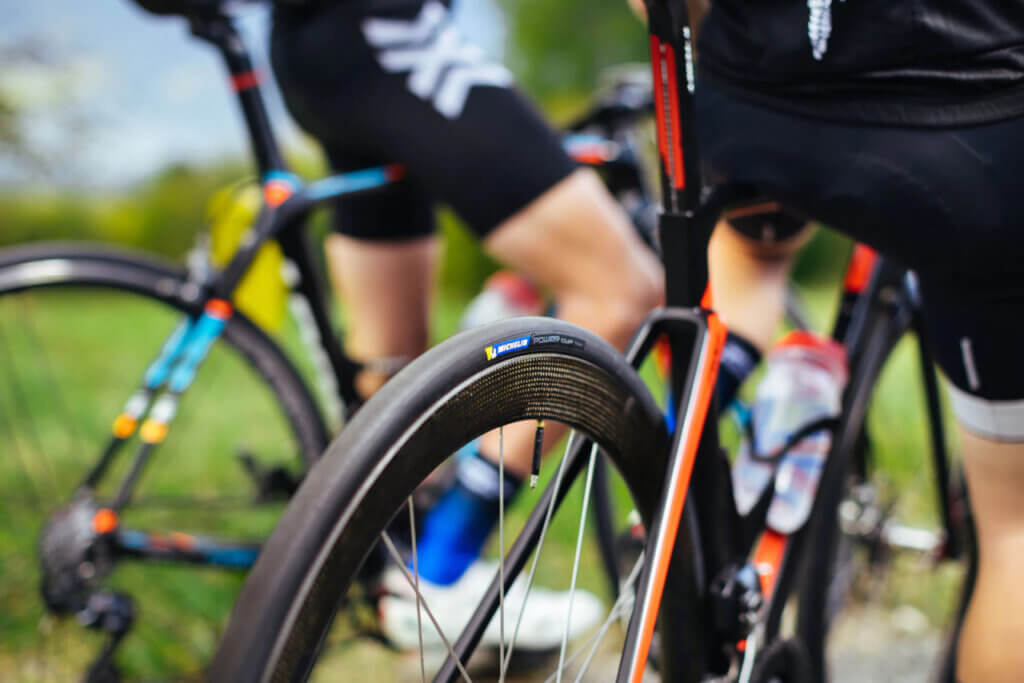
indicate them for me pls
(442, 68)
(819, 26)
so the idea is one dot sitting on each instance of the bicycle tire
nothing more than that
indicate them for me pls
(28, 275)
(62, 264)
(442, 400)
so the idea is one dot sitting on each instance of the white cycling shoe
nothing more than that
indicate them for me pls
(541, 628)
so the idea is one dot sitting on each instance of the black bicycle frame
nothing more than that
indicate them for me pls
(698, 497)
(276, 222)
(287, 204)
(883, 313)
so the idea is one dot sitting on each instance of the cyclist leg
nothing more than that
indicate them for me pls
(482, 149)
(751, 253)
(468, 139)
(578, 243)
(381, 258)
(944, 202)
(978, 338)
(749, 271)
(386, 288)
(995, 478)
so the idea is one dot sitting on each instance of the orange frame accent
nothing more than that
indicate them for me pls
(153, 432)
(706, 383)
(276, 193)
(124, 425)
(768, 559)
(219, 308)
(104, 521)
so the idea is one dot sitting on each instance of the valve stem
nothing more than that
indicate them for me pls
(538, 448)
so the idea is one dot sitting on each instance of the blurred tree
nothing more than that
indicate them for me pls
(13, 139)
(39, 130)
(558, 49)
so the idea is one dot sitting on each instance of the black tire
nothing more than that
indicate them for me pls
(442, 400)
(36, 282)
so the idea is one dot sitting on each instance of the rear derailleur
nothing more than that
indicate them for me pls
(76, 551)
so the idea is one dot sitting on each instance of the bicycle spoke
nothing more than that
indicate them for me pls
(622, 606)
(416, 576)
(77, 441)
(20, 399)
(501, 551)
(540, 545)
(421, 602)
(576, 559)
(35, 494)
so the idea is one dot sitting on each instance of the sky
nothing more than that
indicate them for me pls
(142, 90)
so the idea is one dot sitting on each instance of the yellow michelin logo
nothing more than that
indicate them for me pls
(504, 347)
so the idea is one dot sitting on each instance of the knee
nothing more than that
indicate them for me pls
(636, 294)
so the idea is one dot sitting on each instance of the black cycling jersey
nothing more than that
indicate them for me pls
(897, 62)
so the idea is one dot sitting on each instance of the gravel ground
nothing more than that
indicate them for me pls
(897, 646)
(869, 646)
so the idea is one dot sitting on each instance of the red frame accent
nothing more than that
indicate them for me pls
(679, 177)
(246, 80)
(659, 98)
(675, 171)
(859, 269)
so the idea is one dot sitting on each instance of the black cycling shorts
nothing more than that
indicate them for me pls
(946, 202)
(766, 222)
(380, 82)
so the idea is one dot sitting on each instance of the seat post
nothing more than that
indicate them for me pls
(683, 244)
(217, 29)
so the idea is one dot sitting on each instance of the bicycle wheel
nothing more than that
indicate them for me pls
(446, 398)
(78, 326)
(878, 602)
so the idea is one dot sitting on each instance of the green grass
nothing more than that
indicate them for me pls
(95, 347)
(69, 360)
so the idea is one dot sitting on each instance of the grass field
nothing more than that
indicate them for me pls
(68, 361)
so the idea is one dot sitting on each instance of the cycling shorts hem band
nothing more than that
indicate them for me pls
(996, 420)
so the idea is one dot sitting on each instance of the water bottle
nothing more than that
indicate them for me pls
(803, 384)
(506, 294)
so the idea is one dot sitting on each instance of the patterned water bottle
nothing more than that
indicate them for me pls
(803, 384)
